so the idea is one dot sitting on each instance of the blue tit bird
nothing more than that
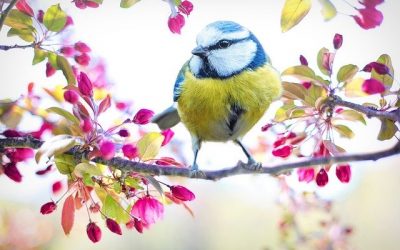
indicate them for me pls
(223, 89)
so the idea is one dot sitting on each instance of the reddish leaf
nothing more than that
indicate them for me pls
(24, 7)
(105, 104)
(68, 214)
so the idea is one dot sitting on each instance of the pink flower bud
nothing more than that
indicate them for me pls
(306, 174)
(369, 18)
(371, 3)
(337, 41)
(339, 110)
(143, 116)
(343, 173)
(182, 193)
(67, 51)
(86, 125)
(71, 96)
(94, 208)
(12, 172)
(373, 86)
(124, 133)
(107, 150)
(50, 70)
(24, 7)
(380, 68)
(303, 60)
(266, 127)
(82, 59)
(82, 47)
(280, 141)
(322, 178)
(20, 154)
(113, 226)
(282, 151)
(130, 151)
(44, 171)
(80, 4)
(91, 4)
(138, 225)
(175, 23)
(168, 134)
(11, 133)
(93, 232)
(69, 22)
(306, 85)
(85, 85)
(57, 186)
(185, 7)
(48, 208)
(40, 15)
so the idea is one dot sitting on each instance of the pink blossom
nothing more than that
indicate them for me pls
(86, 125)
(93, 232)
(337, 41)
(56, 187)
(306, 174)
(168, 134)
(107, 150)
(82, 59)
(12, 172)
(143, 116)
(40, 15)
(186, 7)
(82, 47)
(113, 226)
(343, 173)
(67, 51)
(182, 193)
(380, 68)
(303, 60)
(85, 85)
(148, 209)
(372, 86)
(306, 85)
(266, 127)
(71, 96)
(124, 133)
(282, 151)
(130, 151)
(369, 18)
(175, 23)
(69, 22)
(371, 3)
(20, 154)
(327, 61)
(322, 178)
(48, 208)
(24, 7)
(50, 70)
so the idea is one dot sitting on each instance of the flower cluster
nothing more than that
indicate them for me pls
(176, 20)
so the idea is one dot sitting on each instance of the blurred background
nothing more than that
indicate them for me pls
(242, 212)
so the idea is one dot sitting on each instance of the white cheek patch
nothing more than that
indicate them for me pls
(232, 59)
(195, 64)
(210, 36)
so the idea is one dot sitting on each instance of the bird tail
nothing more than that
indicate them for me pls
(167, 119)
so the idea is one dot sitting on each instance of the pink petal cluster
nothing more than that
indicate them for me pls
(176, 23)
(282, 151)
(48, 208)
(93, 232)
(107, 150)
(113, 226)
(182, 193)
(143, 116)
(369, 17)
(168, 134)
(82, 59)
(372, 86)
(185, 7)
(83, 4)
(130, 151)
(322, 178)
(24, 7)
(306, 174)
(85, 85)
(86, 125)
(380, 68)
(71, 96)
(148, 210)
(82, 47)
(343, 173)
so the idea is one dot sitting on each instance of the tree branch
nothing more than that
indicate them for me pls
(6, 11)
(368, 111)
(127, 166)
(16, 46)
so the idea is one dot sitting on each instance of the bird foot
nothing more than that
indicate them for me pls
(195, 172)
(251, 165)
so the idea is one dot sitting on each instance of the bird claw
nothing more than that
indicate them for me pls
(252, 165)
(196, 173)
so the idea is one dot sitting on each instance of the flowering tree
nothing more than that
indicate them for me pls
(113, 170)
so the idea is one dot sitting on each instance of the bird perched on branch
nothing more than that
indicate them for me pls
(223, 89)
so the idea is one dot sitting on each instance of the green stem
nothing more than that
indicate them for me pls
(6, 11)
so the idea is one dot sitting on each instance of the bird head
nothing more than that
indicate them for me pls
(225, 48)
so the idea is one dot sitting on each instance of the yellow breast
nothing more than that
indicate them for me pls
(204, 104)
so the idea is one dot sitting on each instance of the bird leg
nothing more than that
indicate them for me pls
(251, 165)
(194, 169)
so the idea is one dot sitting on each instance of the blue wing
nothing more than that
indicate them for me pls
(179, 81)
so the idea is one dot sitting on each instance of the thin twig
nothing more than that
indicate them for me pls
(16, 46)
(6, 11)
(127, 166)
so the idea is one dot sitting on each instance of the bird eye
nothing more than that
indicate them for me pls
(224, 44)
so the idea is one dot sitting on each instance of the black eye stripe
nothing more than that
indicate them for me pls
(224, 43)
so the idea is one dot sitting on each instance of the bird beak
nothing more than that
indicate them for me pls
(199, 51)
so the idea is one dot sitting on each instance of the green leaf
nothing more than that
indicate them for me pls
(117, 187)
(293, 91)
(177, 2)
(65, 163)
(97, 1)
(52, 59)
(282, 113)
(293, 12)
(347, 72)
(388, 129)
(296, 113)
(39, 56)
(112, 209)
(66, 68)
(64, 113)
(386, 79)
(55, 18)
(320, 61)
(88, 168)
(128, 3)
(87, 180)
(313, 94)
(25, 34)
(352, 115)
(56, 145)
(18, 20)
(301, 72)
(328, 10)
(133, 183)
(149, 145)
(344, 131)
